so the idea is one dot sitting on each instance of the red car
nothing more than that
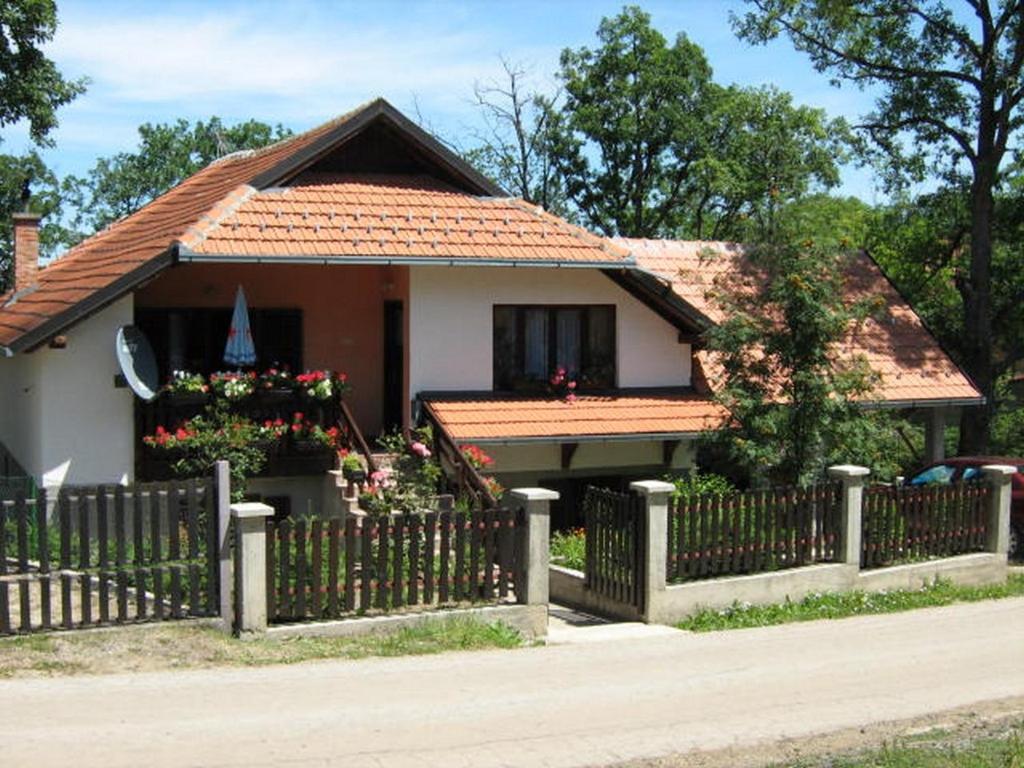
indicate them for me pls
(969, 467)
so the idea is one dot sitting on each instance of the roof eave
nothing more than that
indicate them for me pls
(92, 304)
(624, 437)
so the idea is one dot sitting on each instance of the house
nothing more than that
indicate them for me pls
(365, 246)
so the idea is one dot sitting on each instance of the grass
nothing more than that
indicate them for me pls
(568, 548)
(183, 646)
(837, 605)
(1004, 751)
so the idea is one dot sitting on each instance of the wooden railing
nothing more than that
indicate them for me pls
(462, 475)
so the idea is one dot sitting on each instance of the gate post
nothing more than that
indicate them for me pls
(850, 511)
(997, 524)
(222, 524)
(655, 545)
(250, 567)
(535, 546)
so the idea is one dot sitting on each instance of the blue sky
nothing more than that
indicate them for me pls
(303, 62)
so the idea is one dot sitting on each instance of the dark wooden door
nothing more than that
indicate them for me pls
(394, 363)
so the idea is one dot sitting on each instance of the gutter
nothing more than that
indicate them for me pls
(954, 402)
(639, 437)
(187, 256)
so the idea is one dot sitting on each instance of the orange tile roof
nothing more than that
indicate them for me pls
(910, 362)
(485, 418)
(394, 216)
(203, 210)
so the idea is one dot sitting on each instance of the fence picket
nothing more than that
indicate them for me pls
(350, 563)
(365, 564)
(316, 536)
(333, 566)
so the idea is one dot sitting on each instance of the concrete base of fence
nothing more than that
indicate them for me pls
(681, 600)
(968, 570)
(567, 588)
(530, 620)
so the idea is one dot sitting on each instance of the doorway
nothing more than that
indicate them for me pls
(394, 364)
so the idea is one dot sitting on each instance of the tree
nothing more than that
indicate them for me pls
(46, 199)
(514, 149)
(167, 154)
(950, 105)
(31, 87)
(646, 144)
(763, 153)
(631, 132)
(793, 401)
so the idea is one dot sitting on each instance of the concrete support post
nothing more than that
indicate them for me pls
(852, 477)
(655, 494)
(222, 521)
(935, 435)
(1000, 478)
(535, 543)
(250, 566)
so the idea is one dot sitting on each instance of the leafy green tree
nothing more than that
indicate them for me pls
(630, 135)
(793, 401)
(646, 144)
(31, 87)
(167, 153)
(763, 154)
(951, 91)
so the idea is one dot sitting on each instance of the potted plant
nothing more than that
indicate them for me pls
(322, 385)
(233, 386)
(309, 437)
(352, 468)
(275, 385)
(186, 388)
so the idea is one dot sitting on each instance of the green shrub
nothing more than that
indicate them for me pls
(569, 548)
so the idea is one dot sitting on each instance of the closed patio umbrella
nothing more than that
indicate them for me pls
(239, 349)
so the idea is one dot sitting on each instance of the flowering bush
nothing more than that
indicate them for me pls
(203, 440)
(413, 480)
(270, 432)
(475, 457)
(322, 385)
(233, 386)
(183, 382)
(563, 385)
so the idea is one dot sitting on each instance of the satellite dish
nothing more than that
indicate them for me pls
(137, 361)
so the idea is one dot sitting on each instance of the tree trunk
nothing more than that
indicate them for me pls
(974, 422)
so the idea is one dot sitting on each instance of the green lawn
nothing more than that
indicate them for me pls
(1005, 751)
(837, 605)
(185, 646)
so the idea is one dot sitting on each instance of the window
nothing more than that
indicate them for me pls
(193, 339)
(531, 342)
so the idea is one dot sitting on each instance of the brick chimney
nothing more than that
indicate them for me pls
(26, 250)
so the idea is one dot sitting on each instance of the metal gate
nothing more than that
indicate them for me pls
(615, 543)
(108, 555)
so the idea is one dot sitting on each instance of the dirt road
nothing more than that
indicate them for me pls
(566, 705)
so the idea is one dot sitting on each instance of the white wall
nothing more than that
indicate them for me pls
(451, 324)
(19, 409)
(63, 419)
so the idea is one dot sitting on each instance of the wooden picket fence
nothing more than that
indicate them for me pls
(107, 555)
(326, 568)
(752, 531)
(907, 523)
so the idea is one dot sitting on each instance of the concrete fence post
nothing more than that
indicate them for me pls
(655, 494)
(535, 543)
(999, 477)
(222, 521)
(852, 478)
(250, 601)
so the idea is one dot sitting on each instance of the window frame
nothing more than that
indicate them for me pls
(586, 353)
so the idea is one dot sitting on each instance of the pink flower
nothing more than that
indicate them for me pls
(570, 398)
(420, 450)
